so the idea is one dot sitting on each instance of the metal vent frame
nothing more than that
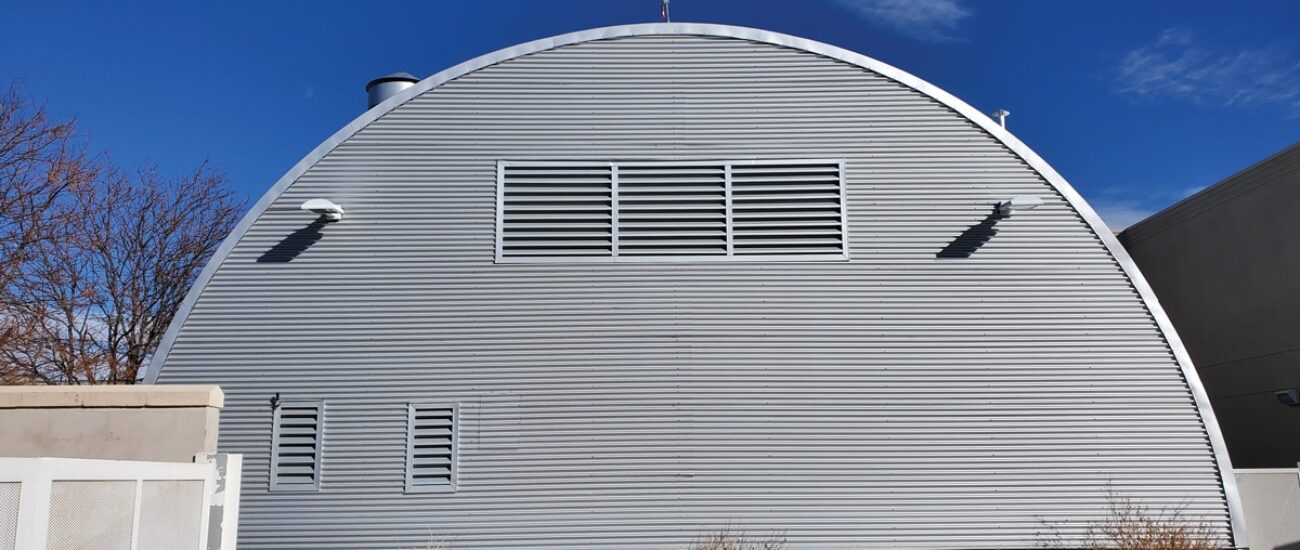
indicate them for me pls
(412, 485)
(731, 255)
(275, 483)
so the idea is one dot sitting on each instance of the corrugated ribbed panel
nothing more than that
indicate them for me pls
(898, 399)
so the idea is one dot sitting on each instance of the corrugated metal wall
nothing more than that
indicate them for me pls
(898, 399)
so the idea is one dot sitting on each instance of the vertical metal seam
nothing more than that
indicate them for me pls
(731, 232)
(613, 209)
(455, 446)
(135, 514)
(273, 466)
(844, 212)
(501, 209)
(410, 445)
(320, 445)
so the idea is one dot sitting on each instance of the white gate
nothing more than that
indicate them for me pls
(77, 504)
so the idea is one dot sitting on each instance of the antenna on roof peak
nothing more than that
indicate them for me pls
(1002, 115)
(663, 12)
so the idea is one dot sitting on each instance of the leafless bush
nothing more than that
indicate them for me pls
(434, 542)
(1132, 526)
(731, 539)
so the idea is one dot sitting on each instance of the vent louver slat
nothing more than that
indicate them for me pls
(787, 209)
(431, 445)
(644, 210)
(296, 449)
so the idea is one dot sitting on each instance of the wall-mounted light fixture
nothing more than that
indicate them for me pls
(1014, 204)
(331, 212)
(1290, 398)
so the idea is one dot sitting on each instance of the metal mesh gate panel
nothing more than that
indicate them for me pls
(86, 504)
(9, 493)
(91, 515)
(170, 515)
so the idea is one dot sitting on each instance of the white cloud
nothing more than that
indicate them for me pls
(1176, 66)
(930, 20)
(1191, 191)
(1121, 214)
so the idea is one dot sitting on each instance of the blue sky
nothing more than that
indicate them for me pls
(1136, 103)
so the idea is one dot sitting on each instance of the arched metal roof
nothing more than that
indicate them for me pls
(1031, 158)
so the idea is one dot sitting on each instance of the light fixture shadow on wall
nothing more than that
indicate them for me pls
(976, 236)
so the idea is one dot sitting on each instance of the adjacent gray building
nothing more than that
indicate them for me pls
(626, 286)
(1225, 264)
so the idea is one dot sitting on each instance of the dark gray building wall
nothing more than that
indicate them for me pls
(1225, 264)
(895, 399)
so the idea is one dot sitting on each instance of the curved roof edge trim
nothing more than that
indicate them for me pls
(987, 124)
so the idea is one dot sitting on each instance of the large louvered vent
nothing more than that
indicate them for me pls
(787, 209)
(641, 211)
(296, 446)
(556, 211)
(667, 209)
(430, 448)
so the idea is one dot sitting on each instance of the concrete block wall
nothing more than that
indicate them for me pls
(143, 422)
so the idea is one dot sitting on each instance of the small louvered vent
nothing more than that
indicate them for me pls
(787, 209)
(639, 211)
(430, 447)
(296, 446)
(551, 210)
(667, 209)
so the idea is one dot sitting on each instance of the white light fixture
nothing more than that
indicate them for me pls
(331, 212)
(1023, 202)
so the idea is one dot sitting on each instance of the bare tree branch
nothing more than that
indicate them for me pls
(94, 263)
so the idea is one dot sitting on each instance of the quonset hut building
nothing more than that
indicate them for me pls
(622, 287)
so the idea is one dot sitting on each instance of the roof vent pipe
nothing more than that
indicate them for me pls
(384, 87)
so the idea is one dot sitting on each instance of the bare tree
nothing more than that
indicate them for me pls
(103, 268)
(39, 162)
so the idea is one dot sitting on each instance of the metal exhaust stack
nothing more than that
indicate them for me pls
(384, 87)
